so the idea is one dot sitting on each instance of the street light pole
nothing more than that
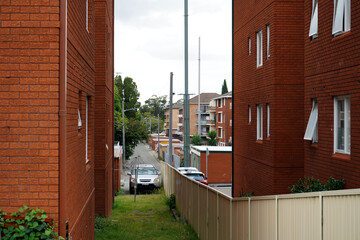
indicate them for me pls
(123, 118)
(158, 137)
(186, 96)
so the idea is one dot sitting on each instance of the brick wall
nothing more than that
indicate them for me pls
(225, 126)
(29, 105)
(260, 166)
(332, 69)
(219, 167)
(104, 152)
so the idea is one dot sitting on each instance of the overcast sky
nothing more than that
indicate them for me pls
(149, 44)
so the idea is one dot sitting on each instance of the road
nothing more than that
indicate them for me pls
(142, 155)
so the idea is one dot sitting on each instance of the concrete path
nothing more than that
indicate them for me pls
(143, 154)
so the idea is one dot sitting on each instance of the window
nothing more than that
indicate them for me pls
(312, 126)
(220, 117)
(220, 132)
(268, 41)
(224, 102)
(87, 130)
(342, 124)
(219, 103)
(259, 125)
(342, 18)
(87, 15)
(230, 122)
(314, 20)
(79, 120)
(230, 105)
(249, 45)
(249, 108)
(259, 50)
(268, 120)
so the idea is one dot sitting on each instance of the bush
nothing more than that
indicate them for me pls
(212, 141)
(102, 222)
(196, 140)
(314, 185)
(171, 202)
(27, 224)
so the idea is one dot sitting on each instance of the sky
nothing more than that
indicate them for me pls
(149, 44)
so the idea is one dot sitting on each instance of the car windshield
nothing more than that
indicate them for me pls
(145, 171)
(197, 177)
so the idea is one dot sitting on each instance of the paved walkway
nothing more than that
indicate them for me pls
(143, 154)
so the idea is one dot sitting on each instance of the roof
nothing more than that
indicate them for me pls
(212, 148)
(204, 98)
(225, 95)
(175, 106)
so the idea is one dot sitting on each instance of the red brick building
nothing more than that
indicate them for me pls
(218, 163)
(268, 95)
(223, 118)
(299, 60)
(56, 75)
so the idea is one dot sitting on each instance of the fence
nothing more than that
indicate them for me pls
(333, 215)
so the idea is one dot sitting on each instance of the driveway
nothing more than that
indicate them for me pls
(143, 154)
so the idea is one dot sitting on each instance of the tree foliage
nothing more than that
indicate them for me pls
(224, 88)
(196, 140)
(155, 105)
(134, 128)
(314, 185)
(212, 141)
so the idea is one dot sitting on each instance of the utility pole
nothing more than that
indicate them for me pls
(186, 96)
(171, 119)
(199, 110)
(123, 118)
(158, 137)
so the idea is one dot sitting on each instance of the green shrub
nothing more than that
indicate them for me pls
(27, 224)
(102, 222)
(196, 140)
(171, 202)
(250, 194)
(314, 185)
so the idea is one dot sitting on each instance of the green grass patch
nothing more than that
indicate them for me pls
(147, 218)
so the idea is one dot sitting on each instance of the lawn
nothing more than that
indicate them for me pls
(147, 218)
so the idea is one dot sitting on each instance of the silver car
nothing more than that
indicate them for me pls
(147, 177)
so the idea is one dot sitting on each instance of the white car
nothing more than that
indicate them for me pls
(187, 169)
(147, 177)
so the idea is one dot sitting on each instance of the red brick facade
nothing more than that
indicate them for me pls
(299, 70)
(271, 164)
(223, 118)
(32, 172)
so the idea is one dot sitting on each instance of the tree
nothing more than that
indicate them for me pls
(155, 105)
(196, 140)
(224, 88)
(134, 128)
(212, 141)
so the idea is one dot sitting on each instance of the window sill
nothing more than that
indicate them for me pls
(340, 35)
(259, 141)
(341, 156)
(267, 139)
(314, 144)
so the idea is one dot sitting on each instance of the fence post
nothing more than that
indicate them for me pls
(198, 186)
(249, 218)
(217, 215)
(231, 219)
(277, 218)
(321, 216)
(207, 213)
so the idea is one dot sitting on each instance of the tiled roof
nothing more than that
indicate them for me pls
(204, 98)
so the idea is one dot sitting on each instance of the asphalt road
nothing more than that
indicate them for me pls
(143, 154)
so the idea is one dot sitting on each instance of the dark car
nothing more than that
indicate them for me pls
(198, 176)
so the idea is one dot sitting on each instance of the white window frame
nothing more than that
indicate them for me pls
(259, 48)
(87, 130)
(313, 30)
(221, 132)
(87, 15)
(249, 45)
(249, 109)
(347, 125)
(268, 120)
(79, 120)
(230, 122)
(341, 17)
(224, 102)
(268, 41)
(312, 126)
(221, 117)
(230, 105)
(259, 122)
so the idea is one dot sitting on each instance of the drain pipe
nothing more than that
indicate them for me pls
(62, 118)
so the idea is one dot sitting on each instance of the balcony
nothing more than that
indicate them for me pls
(202, 122)
(180, 124)
(210, 122)
(180, 116)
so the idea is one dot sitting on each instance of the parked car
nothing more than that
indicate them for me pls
(147, 177)
(198, 176)
(187, 169)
